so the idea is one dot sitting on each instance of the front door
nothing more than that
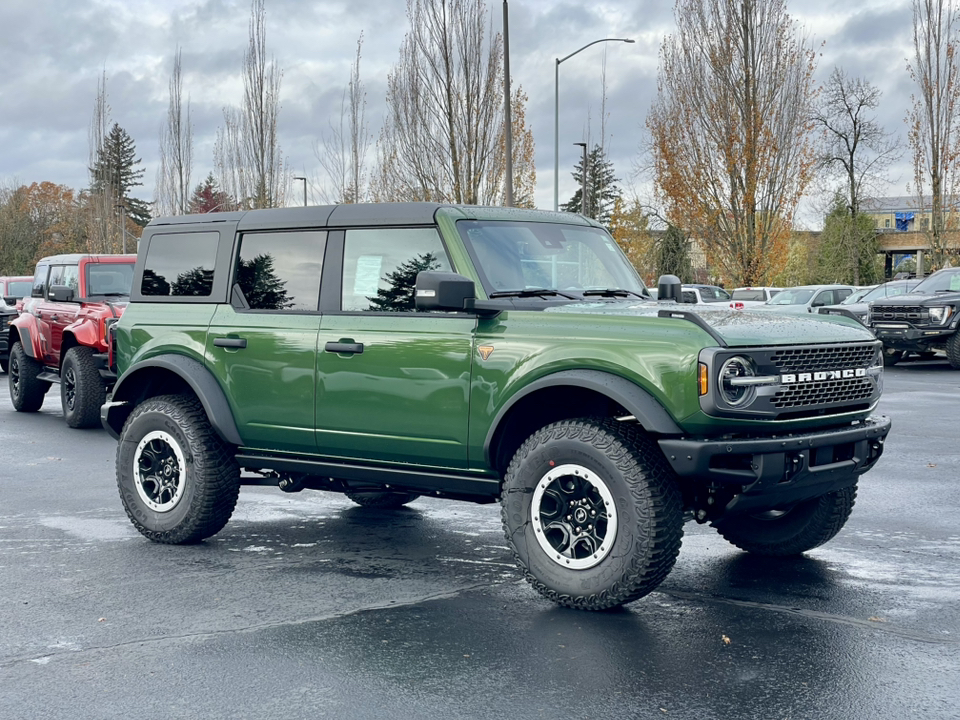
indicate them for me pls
(393, 384)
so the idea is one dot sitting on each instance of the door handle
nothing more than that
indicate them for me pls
(347, 348)
(229, 342)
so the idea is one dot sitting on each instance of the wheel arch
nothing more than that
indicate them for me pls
(25, 331)
(565, 395)
(170, 374)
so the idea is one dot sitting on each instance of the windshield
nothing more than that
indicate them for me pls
(111, 279)
(857, 296)
(791, 296)
(515, 256)
(19, 288)
(748, 295)
(940, 282)
(881, 291)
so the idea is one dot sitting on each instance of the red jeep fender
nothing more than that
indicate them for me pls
(82, 331)
(25, 329)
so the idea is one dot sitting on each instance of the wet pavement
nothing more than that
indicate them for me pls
(308, 606)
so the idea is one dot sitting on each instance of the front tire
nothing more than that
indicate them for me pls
(592, 513)
(82, 390)
(891, 357)
(953, 350)
(383, 499)
(178, 480)
(26, 390)
(804, 526)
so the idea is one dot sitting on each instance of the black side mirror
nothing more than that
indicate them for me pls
(62, 293)
(668, 288)
(444, 291)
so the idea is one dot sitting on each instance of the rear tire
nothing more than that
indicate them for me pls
(178, 480)
(385, 499)
(806, 525)
(26, 391)
(82, 390)
(592, 513)
(953, 350)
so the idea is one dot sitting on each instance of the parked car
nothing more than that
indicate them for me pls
(480, 354)
(61, 334)
(805, 298)
(749, 296)
(922, 321)
(13, 288)
(858, 303)
(700, 294)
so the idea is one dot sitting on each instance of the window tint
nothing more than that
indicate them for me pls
(71, 277)
(380, 267)
(56, 277)
(180, 264)
(281, 271)
(40, 281)
(114, 279)
(20, 288)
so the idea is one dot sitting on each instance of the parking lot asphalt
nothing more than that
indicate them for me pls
(306, 606)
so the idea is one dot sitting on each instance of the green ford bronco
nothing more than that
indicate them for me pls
(481, 354)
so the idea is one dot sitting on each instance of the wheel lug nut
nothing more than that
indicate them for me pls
(569, 517)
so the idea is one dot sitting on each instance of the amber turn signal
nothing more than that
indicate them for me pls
(702, 383)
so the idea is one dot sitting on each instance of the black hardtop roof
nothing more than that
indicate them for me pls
(365, 214)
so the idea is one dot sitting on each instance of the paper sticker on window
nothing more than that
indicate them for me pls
(955, 283)
(367, 281)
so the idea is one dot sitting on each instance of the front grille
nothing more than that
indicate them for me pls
(900, 313)
(827, 392)
(832, 357)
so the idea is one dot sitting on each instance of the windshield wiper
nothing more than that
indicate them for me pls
(530, 292)
(612, 292)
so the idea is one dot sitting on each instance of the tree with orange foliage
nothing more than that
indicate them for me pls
(731, 131)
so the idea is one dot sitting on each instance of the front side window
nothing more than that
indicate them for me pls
(515, 256)
(281, 271)
(40, 281)
(380, 267)
(180, 264)
(56, 276)
(19, 288)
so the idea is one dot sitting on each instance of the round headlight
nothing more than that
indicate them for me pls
(736, 393)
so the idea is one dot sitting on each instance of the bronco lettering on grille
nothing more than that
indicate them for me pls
(790, 378)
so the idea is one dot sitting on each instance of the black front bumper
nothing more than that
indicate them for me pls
(765, 473)
(908, 337)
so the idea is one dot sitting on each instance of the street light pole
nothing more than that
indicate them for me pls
(556, 115)
(304, 189)
(507, 122)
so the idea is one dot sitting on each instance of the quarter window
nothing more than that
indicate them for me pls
(180, 264)
(380, 267)
(281, 271)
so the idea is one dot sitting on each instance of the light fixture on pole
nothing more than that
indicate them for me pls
(583, 181)
(304, 189)
(556, 115)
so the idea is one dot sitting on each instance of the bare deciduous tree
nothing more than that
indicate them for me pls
(444, 121)
(933, 120)
(343, 153)
(247, 151)
(103, 218)
(731, 132)
(176, 150)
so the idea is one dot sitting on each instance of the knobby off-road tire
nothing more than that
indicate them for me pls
(385, 499)
(806, 525)
(178, 480)
(953, 350)
(891, 357)
(82, 390)
(26, 391)
(592, 513)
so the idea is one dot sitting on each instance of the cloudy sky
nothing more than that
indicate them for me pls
(53, 52)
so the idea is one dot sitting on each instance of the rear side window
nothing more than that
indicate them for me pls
(281, 271)
(180, 265)
(380, 267)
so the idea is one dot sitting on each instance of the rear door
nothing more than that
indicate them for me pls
(263, 344)
(392, 383)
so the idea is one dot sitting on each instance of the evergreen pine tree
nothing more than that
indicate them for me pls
(115, 173)
(602, 189)
(673, 255)
(400, 295)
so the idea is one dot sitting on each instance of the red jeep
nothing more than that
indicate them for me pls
(61, 335)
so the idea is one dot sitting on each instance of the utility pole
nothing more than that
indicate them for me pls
(304, 189)
(507, 122)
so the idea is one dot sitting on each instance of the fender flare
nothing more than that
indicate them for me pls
(83, 331)
(634, 399)
(192, 372)
(28, 334)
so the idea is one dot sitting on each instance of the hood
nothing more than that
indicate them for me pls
(739, 328)
(782, 309)
(919, 299)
